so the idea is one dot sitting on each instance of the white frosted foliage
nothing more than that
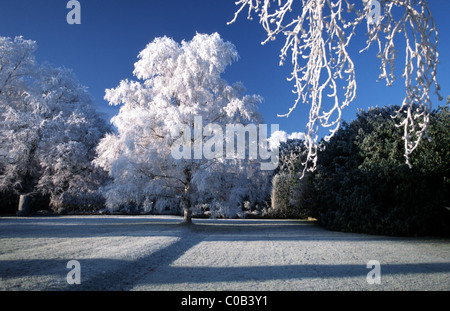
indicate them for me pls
(318, 35)
(48, 130)
(178, 85)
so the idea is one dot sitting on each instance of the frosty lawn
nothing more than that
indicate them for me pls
(157, 253)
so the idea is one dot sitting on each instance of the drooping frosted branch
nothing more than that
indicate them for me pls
(317, 36)
(416, 24)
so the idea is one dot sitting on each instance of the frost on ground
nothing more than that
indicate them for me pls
(158, 253)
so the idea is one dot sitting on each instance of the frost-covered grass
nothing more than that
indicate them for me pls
(157, 253)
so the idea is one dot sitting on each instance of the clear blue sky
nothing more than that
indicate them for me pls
(103, 49)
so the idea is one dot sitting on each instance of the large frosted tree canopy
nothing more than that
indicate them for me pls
(318, 37)
(49, 128)
(178, 83)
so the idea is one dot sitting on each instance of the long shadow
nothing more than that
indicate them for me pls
(122, 274)
(279, 272)
(101, 273)
(125, 273)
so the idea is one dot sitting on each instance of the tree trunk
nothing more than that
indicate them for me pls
(187, 206)
(24, 205)
(187, 215)
(186, 197)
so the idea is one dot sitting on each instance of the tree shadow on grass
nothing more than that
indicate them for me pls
(101, 274)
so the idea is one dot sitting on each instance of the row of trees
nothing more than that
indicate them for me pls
(55, 145)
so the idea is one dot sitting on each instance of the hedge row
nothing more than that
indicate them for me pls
(362, 183)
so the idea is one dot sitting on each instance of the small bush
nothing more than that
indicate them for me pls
(77, 203)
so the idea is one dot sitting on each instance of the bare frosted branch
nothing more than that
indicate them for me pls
(317, 37)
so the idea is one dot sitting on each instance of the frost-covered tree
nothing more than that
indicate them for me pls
(290, 194)
(19, 125)
(318, 36)
(178, 85)
(49, 128)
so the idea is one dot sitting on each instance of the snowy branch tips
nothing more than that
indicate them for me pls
(317, 37)
(235, 143)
